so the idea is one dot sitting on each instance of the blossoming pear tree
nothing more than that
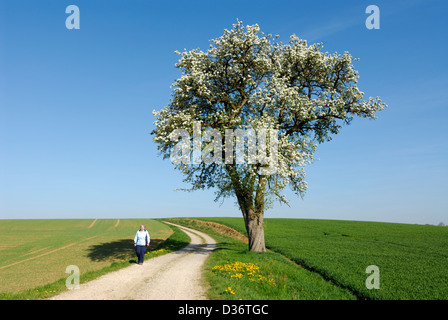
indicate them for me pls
(248, 80)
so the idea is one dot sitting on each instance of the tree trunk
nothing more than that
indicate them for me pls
(252, 209)
(254, 220)
(255, 231)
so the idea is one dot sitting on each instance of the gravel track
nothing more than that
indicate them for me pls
(174, 276)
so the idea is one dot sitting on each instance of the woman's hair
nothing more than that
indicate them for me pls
(143, 226)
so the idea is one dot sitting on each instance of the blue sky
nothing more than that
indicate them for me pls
(76, 108)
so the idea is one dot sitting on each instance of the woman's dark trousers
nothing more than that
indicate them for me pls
(140, 253)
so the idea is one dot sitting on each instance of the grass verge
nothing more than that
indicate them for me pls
(411, 258)
(234, 273)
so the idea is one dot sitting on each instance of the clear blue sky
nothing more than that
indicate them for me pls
(75, 108)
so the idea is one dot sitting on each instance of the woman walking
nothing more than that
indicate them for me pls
(141, 242)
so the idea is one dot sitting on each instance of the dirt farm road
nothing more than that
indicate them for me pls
(174, 276)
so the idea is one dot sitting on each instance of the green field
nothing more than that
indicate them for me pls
(412, 259)
(36, 252)
(308, 259)
(233, 273)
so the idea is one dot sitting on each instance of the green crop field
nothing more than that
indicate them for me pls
(309, 259)
(412, 259)
(37, 252)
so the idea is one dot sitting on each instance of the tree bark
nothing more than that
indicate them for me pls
(251, 207)
(253, 219)
(255, 231)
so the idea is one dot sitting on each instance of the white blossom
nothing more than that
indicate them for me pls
(250, 81)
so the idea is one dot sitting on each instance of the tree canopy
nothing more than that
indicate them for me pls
(248, 80)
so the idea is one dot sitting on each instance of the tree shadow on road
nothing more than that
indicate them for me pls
(122, 249)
